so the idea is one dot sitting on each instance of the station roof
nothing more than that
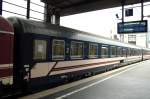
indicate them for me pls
(70, 7)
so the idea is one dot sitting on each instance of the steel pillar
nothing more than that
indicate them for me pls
(142, 15)
(28, 9)
(123, 3)
(1, 7)
(122, 13)
(47, 15)
(57, 18)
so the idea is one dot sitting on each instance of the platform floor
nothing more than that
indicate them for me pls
(132, 82)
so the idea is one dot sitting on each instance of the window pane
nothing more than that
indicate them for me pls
(139, 52)
(113, 51)
(39, 49)
(124, 52)
(135, 52)
(104, 52)
(58, 49)
(119, 51)
(132, 52)
(76, 49)
(93, 50)
(132, 39)
(128, 52)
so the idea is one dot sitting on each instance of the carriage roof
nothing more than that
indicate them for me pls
(37, 27)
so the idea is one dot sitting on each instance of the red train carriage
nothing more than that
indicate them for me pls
(6, 52)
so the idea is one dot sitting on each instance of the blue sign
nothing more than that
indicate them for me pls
(132, 27)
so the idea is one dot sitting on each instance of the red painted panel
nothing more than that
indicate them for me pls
(5, 25)
(6, 41)
(5, 72)
(6, 48)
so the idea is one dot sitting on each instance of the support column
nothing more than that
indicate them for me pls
(1, 7)
(142, 15)
(28, 9)
(123, 3)
(57, 18)
(122, 13)
(47, 15)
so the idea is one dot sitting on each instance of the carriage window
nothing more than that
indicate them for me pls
(76, 49)
(113, 51)
(39, 49)
(128, 52)
(132, 52)
(104, 52)
(139, 52)
(58, 51)
(124, 52)
(93, 49)
(119, 51)
(135, 52)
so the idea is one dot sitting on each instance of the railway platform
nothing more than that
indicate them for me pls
(129, 82)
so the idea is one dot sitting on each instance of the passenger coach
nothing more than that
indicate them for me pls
(46, 55)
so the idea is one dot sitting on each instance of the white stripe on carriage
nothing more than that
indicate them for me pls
(133, 58)
(5, 77)
(6, 65)
(89, 61)
(81, 68)
(41, 69)
(6, 32)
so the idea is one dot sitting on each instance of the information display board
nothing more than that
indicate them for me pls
(132, 27)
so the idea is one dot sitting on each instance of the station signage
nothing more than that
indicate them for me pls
(132, 27)
(129, 12)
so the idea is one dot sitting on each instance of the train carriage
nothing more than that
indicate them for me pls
(6, 55)
(6, 51)
(46, 51)
(46, 55)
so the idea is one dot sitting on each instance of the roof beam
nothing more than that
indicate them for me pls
(91, 5)
(69, 7)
